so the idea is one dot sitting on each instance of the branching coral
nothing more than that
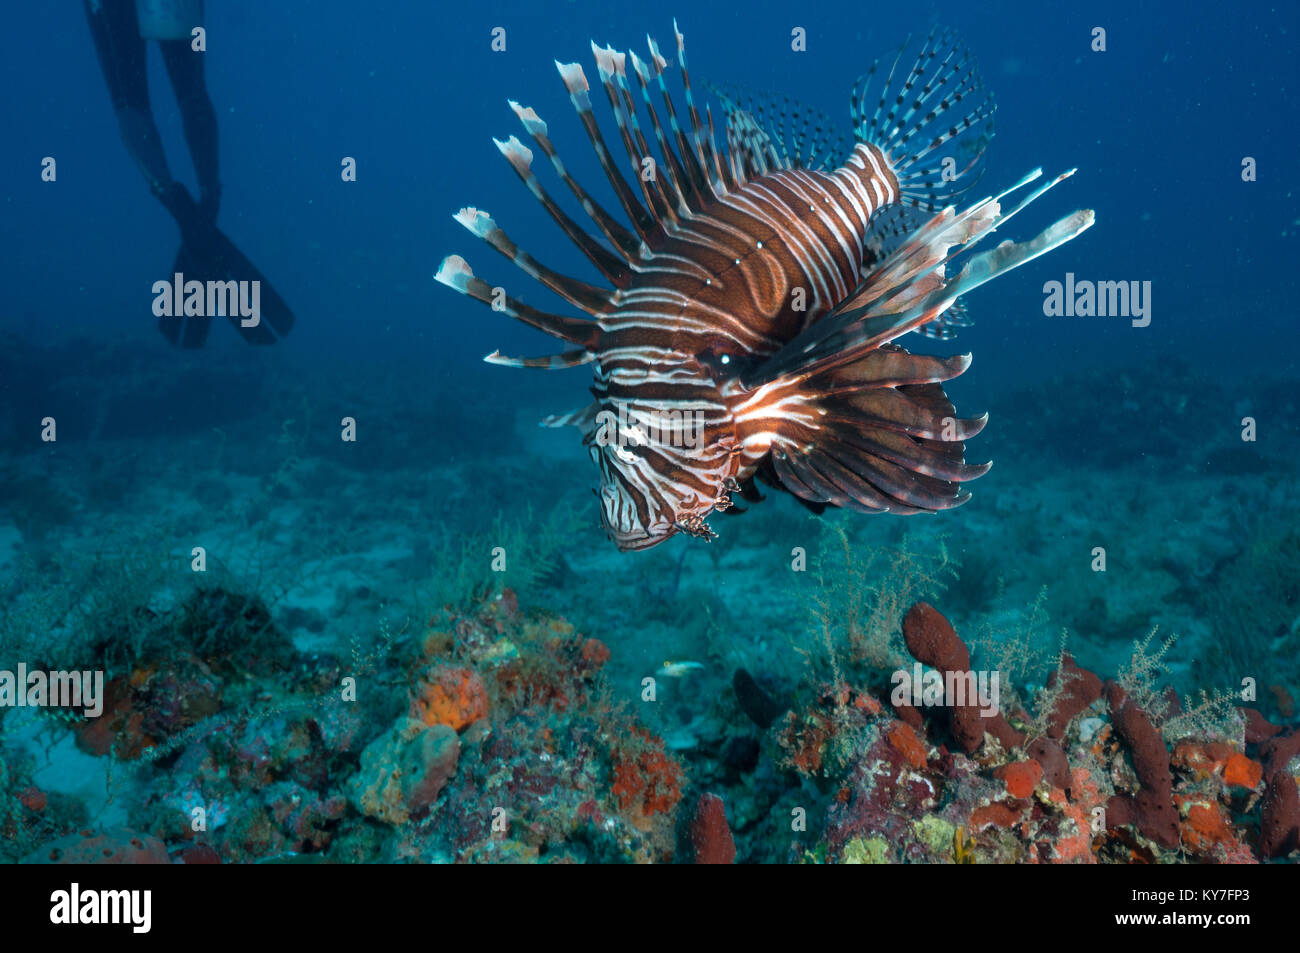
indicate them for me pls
(860, 596)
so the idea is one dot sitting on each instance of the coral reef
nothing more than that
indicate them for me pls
(495, 734)
(508, 748)
(1099, 785)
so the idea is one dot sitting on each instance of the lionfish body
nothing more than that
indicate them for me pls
(753, 303)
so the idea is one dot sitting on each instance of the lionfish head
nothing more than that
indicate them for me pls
(664, 446)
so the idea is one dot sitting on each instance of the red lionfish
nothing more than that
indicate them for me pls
(756, 299)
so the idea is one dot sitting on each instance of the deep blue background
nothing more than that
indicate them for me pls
(1157, 126)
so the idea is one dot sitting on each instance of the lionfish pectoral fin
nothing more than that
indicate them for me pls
(911, 288)
(891, 228)
(550, 362)
(860, 422)
(584, 419)
(876, 434)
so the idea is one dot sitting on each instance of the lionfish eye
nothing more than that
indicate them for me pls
(713, 359)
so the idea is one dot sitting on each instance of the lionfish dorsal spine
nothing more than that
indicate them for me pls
(625, 241)
(704, 150)
(454, 272)
(590, 298)
(520, 157)
(701, 189)
(653, 225)
(726, 181)
(633, 245)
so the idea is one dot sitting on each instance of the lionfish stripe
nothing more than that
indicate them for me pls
(837, 231)
(845, 212)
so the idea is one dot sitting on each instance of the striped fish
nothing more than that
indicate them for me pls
(751, 303)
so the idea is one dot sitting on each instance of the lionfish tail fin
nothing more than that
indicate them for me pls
(876, 435)
(933, 121)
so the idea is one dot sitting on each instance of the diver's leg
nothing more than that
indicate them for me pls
(185, 67)
(121, 53)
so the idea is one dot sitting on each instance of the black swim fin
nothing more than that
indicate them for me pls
(206, 254)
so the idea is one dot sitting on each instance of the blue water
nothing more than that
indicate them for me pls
(1113, 435)
(1157, 125)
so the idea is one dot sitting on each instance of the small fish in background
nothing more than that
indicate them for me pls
(677, 668)
(747, 328)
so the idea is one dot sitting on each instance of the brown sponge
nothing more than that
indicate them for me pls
(932, 641)
(1152, 809)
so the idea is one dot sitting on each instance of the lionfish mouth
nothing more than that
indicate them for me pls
(756, 297)
(626, 525)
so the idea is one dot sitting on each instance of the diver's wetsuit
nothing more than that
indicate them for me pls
(115, 28)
